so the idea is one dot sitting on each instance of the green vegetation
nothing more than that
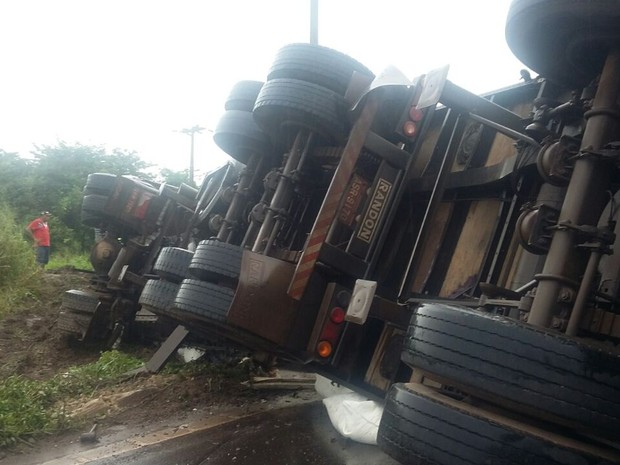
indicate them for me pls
(16, 255)
(29, 408)
(72, 261)
(16, 262)
(236, 371)
(53, 179)
(216, 377)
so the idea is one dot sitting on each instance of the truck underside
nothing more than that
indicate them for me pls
(452, 253)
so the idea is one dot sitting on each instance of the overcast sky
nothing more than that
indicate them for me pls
(132, 73)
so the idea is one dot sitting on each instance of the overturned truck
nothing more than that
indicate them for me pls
(450, 253)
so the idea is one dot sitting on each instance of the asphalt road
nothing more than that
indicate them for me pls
(296, 435)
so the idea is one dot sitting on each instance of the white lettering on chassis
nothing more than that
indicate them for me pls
(373, 214)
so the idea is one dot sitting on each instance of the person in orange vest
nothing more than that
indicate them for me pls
(40, 232)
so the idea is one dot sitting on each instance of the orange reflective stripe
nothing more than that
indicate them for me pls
(329, 208)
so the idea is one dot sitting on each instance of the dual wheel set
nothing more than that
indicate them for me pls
(96, 194)
(305, 89)
(266, 126)
(98, 188)
(196, 285)
(501, 392)
(77, 312)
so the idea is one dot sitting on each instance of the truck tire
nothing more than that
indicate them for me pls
(172, 264)
(243, 95)
(566, 41)
(284, 106)
(158, 295)
(94, 220)
(216, 261)
(75, 324)
(238, 135)
(100, 183)
(94, 191)
(92, 210)
(205, 299)
(77, 300)
(316, 64)
(548, 373)
(94, 203)
(421, 426)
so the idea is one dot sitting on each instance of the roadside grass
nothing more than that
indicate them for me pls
(12, 296)
(24, 283)
(69, 260)
(31, 408)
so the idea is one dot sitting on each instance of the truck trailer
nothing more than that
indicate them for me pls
(450, 254)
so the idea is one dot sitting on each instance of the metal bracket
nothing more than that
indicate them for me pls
(602, 235)
(164, 352)
(432, 87)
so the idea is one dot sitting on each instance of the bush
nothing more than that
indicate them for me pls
(17, 266)
(16, 254)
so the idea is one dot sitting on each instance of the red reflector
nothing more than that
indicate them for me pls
(324, 349)
(409, 128)
(415, 114)
(337, 315)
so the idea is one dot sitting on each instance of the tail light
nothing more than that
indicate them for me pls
(337, 315)
(409, 128)
(410, 122)
(411, 116)
(415, 114)
(324, 349)
(330, 333)
(331, 323)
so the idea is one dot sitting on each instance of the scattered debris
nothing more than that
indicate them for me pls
(190, 354)
(283, 379)
(91, 436)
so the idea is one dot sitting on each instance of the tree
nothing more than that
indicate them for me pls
(176, 178)
(59, 169)
(53, 180)
(16, 182)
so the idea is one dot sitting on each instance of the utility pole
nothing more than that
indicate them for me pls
(191, 131)
(314, 22)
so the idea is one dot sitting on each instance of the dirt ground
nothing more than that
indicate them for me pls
(31, 346)
(29, 343)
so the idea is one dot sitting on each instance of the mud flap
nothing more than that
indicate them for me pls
(261, 304)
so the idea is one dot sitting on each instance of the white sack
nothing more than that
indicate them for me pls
(354, 416)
